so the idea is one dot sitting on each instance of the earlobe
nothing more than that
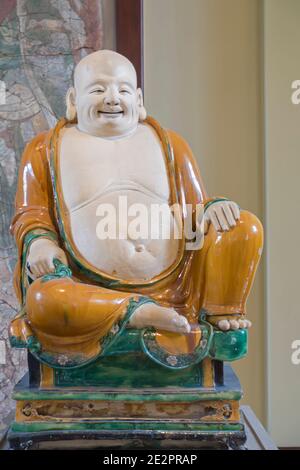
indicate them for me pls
(142, 109)
(71, 113)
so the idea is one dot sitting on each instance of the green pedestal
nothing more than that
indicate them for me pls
(176, 413)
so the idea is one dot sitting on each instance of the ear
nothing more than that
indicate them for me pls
(71, 113)
(142, 110)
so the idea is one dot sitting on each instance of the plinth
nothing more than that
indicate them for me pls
(129, 402)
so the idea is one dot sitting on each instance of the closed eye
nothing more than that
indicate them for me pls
(97, 91)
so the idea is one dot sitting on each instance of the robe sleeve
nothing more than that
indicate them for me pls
(187, 171)
(188, 177)
(34, 212)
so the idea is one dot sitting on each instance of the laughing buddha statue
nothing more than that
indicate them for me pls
(81, 291)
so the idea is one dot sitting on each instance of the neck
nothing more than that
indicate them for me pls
(108, 137)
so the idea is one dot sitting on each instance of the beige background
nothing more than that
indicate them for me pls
(202, 79)
(220, 73)
(282, 158)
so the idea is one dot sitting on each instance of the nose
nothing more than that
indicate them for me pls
(112, 98)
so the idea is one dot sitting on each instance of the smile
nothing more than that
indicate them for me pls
(111, 114)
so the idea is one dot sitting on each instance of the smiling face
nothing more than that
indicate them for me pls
(107, 101)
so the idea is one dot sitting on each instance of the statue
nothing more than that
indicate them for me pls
(91, 291)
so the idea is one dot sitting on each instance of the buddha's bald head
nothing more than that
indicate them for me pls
(105, 96)
(104, 62)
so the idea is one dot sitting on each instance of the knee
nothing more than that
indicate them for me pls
(46, 301)
(249, 228)
(246, 235)
(246, 238)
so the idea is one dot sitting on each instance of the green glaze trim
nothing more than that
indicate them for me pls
(32, 235)
(110, 283)
(63, 361)
(128, 342)
(28, 239)
(17, 342)
(229, 345)
(134, 395)
(127, 426)
(210, 203)
(118, 329)
(129, 371)
(33, 344)
(59, 361)
(61, 270)
(180, 361)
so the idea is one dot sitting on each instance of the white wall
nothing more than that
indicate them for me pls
(203, 79)
(282, 67)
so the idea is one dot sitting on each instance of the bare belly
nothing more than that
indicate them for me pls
(123, 239)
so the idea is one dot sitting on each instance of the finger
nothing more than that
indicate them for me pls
(242, 324)
(235, 210)
(40, 268)
(62, 257)
(184, 325)
(48, 266)
(228, 215)
(215, 221)
(248, 323)
(35, 271)
(28, 270)
(222, 220)
(181, 322)
(51, 266)
(44, 265)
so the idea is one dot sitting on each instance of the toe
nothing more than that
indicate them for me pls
(224, 325)
(182, 324)
(234, 325)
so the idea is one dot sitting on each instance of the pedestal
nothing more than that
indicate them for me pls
(182, 410)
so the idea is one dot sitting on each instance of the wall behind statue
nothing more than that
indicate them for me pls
(203, 79)
(282, 119)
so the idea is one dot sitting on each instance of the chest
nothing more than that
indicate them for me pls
(91, 167)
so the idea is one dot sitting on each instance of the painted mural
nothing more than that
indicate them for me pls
(40, 41)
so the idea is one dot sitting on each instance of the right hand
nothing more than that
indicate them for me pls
(42, 252)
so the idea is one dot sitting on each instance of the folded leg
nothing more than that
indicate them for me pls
(230, 265)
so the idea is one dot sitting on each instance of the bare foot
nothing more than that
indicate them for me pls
(161, 318)
(226, 325)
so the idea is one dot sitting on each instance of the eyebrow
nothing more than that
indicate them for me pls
(103, 82)
(127, 84)
(97, 82)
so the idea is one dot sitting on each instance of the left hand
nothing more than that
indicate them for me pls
(223, 215)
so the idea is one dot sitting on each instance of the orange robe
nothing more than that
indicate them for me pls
(75, 317)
